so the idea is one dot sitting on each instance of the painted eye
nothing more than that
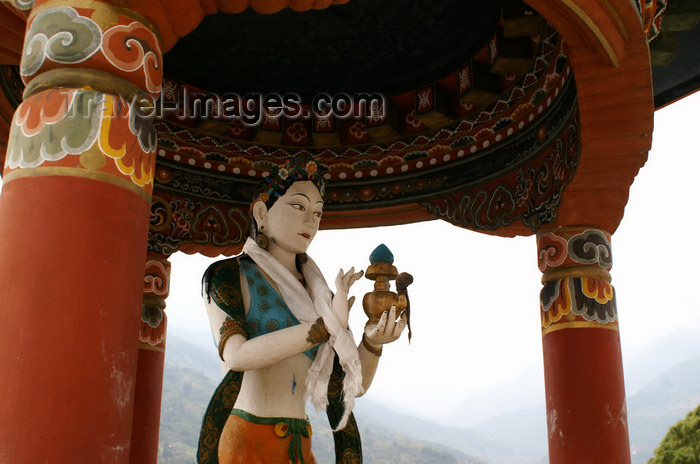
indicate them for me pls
(298, 206)
(318, 214)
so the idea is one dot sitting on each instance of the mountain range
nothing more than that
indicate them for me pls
(665, 381)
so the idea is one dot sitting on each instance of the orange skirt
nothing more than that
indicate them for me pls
(248, 439)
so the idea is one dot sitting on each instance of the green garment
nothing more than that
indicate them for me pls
(221, 283)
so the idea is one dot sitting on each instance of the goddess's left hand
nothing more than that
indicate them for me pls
(341, 305)
(387, 329)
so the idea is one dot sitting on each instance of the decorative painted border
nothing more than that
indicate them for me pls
(193, 226)
(529, 98)
(537, 165)
(574, 299)
(100, 38)
(576, 292)
(195, 211)
(157, 279)
(588, 247)
(156, 286)
(81, 128)
(529, 193)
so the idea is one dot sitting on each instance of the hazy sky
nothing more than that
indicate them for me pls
(475, 298)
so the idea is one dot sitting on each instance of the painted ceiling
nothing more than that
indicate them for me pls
(479, 123)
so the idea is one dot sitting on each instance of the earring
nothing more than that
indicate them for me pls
(261, 240)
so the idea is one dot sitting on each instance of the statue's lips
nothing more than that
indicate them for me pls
(306, 236)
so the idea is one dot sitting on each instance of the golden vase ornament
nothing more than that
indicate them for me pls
(382, 271)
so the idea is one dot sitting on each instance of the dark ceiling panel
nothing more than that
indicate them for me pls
(364, 45)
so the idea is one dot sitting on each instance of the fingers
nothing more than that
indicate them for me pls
(344, 280)
(391, 328)
(355, 277)
(387, 329)
(387, 321)
(347, 278)
(351, 277)
(381, 325)
(398, 328)
(340, 280)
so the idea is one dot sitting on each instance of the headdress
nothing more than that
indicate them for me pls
(295, 169)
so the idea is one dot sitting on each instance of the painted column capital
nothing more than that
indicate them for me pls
(92, 72)
(576, 292)
(87, 43)
(573, 249)
(156, 287)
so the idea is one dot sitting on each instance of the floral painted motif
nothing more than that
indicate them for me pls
(554, 302)
(358, 130)
(577, 283)
(597, 289)
(195, 227)
(152, 314)
(129, 139)
(52, 126)
(297, 132)
(589, 298)
(153, 326)
(530, 194)
(156, 284)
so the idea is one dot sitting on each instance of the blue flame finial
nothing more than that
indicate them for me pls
(381, 254)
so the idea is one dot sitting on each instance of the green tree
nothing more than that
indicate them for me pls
(681, 445)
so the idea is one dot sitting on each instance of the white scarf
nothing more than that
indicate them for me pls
(308, 307)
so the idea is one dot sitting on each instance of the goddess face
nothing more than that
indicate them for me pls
(292, 222)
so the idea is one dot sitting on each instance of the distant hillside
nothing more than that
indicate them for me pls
(650, 413)
(517, 437)
(673, 349)
(381, 445)
(190, 378)
(526, 390)
(191, 375)
(185, 352)
(186, 393)
(462, 439)
(659, 405)
(525, 430)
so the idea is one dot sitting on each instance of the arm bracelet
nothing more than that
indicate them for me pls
(228, 333)
(375, 351)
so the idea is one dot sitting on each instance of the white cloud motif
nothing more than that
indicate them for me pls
(61, 35)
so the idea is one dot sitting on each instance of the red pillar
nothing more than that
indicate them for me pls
(151, 359)
(586, 409)
(74, 215)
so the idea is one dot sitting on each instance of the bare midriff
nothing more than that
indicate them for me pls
(276, 391)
